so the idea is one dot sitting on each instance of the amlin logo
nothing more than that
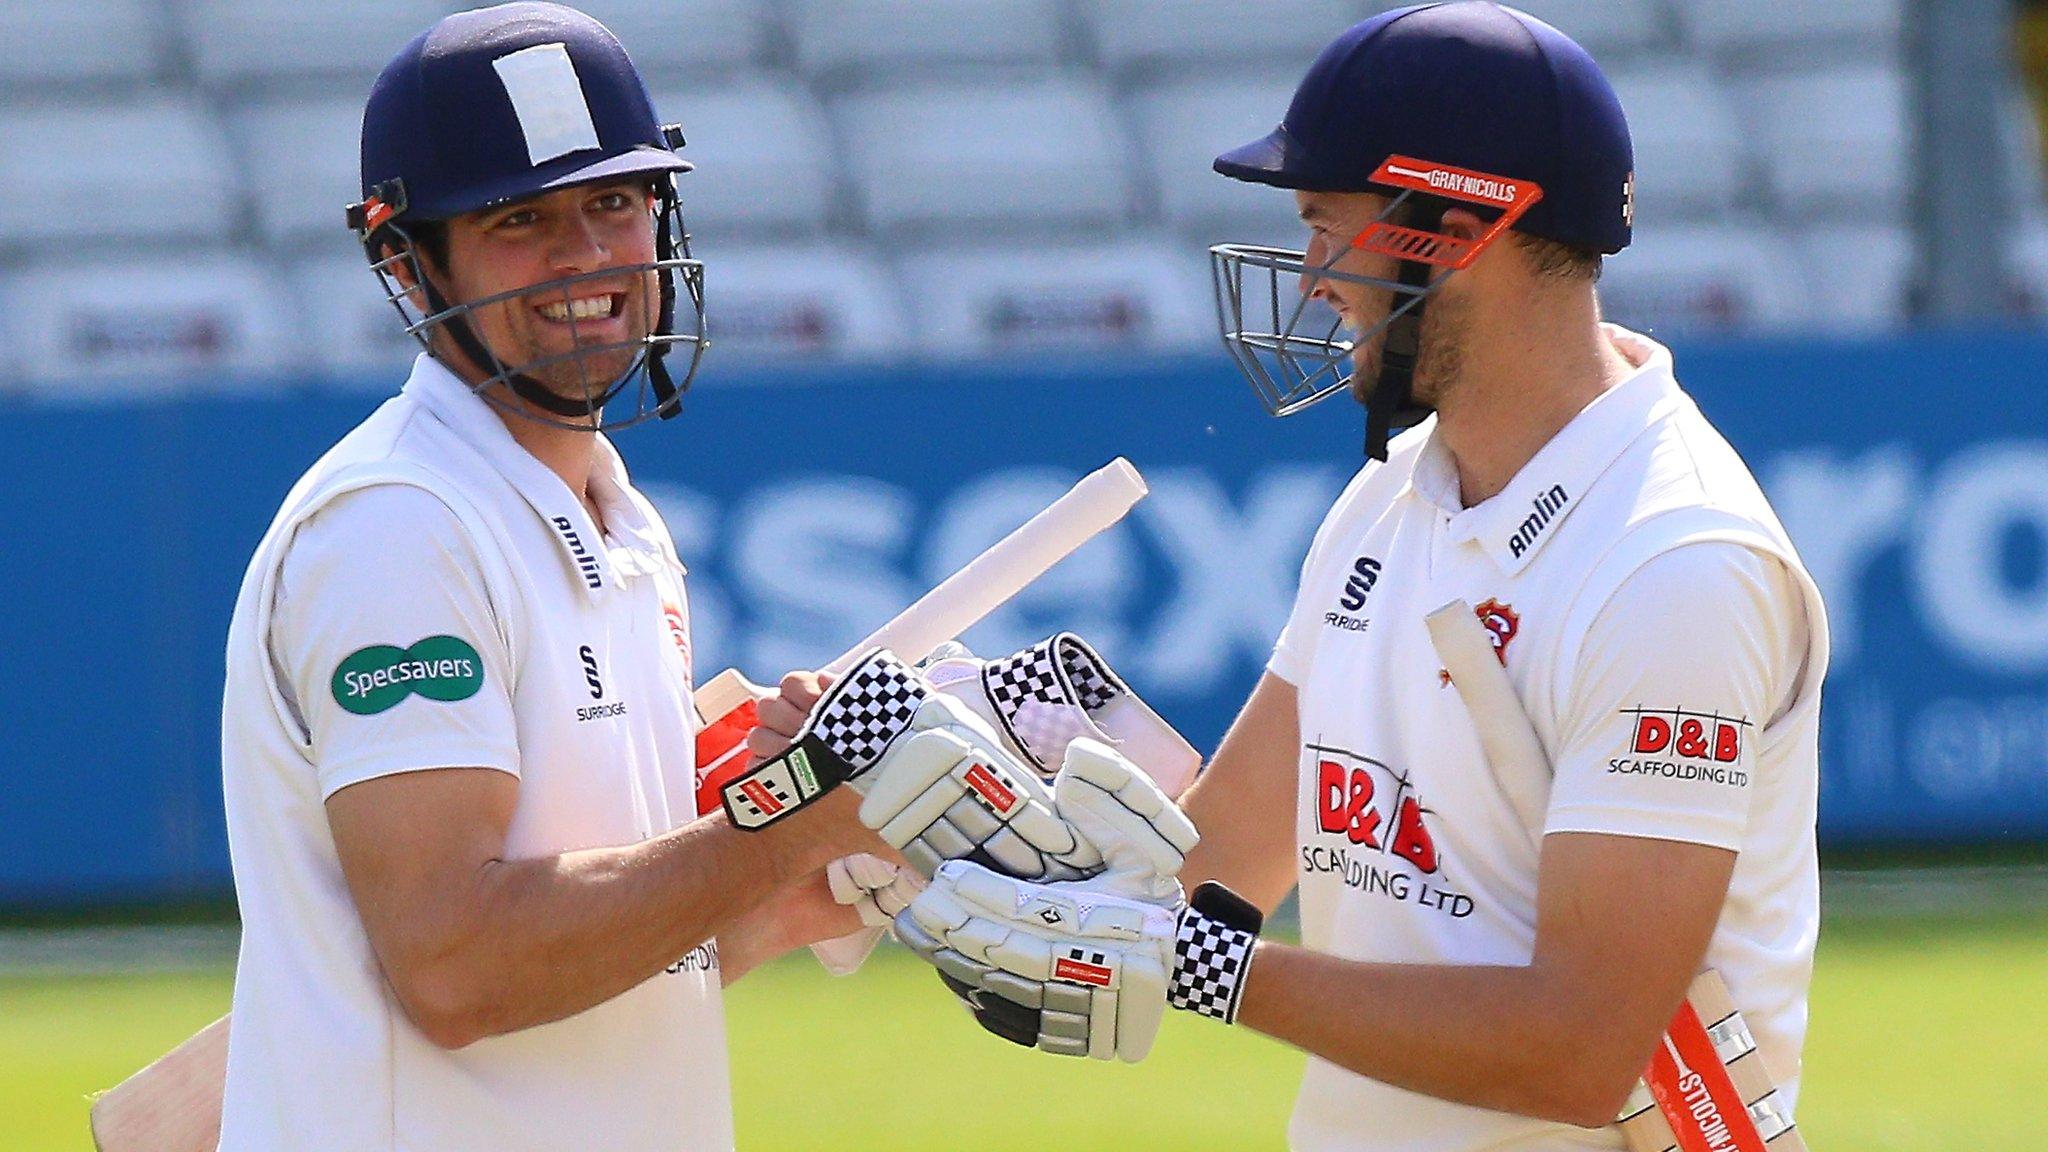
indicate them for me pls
(371, 680)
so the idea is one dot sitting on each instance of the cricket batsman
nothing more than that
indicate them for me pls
(1490, 953)
(481, 906)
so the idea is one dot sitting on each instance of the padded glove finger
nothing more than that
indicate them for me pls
(1060, 689)
(1143, 837)
(950, 791)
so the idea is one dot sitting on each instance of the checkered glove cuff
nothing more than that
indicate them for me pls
(859, 717)
(855, 722)
(1029, 689)
(1210, 955)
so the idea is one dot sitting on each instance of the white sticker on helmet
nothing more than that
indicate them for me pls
(548, 99)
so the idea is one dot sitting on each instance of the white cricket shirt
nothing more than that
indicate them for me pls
(431, 596)
(1669, 650)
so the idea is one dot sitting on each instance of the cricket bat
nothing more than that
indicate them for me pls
(727, 702)
(1706, 1089)
(174, 1105)
(171, 1106)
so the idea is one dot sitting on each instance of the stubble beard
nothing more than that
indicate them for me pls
(575, 378)
(1439, 359)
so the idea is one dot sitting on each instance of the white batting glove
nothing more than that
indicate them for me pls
(1074, 970)
(872, 886)
(938, 784)
(1042, 698)
(950, 792)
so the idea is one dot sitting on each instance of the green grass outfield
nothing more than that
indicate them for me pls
(1927, 1035)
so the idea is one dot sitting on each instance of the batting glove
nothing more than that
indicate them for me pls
(1038, 702)
(938, 784)
(1076, 971)
(1042, 698)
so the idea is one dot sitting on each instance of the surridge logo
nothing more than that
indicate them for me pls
(590, 675)
(373, 679)
(1365, 573)
(1545, 508)
(585, 562)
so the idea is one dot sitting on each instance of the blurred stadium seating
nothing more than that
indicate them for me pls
(925, 177)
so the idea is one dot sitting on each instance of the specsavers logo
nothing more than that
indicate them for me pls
(374, 679)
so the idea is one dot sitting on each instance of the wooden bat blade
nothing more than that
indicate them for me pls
(988, 581)
(1720, 1098)
(171, 1106)
(1466, 649)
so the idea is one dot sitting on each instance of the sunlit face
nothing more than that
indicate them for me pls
(569, 232)
(1334, 220)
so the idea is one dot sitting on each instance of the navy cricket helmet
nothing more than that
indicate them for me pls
(1468, 104)
(501, 104)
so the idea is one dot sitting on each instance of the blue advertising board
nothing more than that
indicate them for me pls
(1912, 473)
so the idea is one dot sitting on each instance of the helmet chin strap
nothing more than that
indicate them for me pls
(1390, 405)
(668, 401)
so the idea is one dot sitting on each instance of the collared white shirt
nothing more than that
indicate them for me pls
(1668, 648)
(430, 596)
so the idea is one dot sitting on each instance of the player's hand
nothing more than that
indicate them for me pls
(780, 717)
(1075, 970)
(877, 889)
(950, 792)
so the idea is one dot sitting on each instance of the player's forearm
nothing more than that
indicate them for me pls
(1244, 846)
(1243, 804)
(1515, 1039)
(803, 913)
(540, 939)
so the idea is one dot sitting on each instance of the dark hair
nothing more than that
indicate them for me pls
(1556, 259)
(431, 238)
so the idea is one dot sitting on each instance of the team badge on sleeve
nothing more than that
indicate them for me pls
(380, 677)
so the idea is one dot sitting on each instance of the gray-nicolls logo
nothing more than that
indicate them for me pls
(584, 560)
(1547, 506)
(590, 675)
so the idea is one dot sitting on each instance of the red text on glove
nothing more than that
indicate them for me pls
(762, 798)
(993, 792)
(1081, 972)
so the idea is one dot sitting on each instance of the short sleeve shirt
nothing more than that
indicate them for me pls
(1667, 648)
(431, 596)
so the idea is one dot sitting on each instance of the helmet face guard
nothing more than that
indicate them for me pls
(1292, 349)
(603, 371)
(1290, 346)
